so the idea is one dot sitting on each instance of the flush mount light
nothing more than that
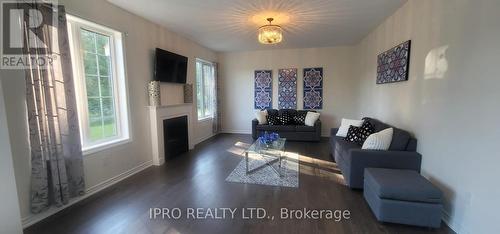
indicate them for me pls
(270, 34)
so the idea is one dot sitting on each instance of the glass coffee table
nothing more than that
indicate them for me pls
(274, 152)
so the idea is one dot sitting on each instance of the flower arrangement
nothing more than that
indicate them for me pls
(268, 138)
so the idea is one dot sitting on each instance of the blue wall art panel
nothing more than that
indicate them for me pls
(263, 89)
(393, 65)
(287, 88)
(313, 88)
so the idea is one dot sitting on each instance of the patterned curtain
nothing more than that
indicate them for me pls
(56, 154)
(216, 123)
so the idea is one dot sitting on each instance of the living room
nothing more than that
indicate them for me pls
(179, 148)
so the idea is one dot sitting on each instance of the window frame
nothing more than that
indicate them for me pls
(212, 65)
(118, 81)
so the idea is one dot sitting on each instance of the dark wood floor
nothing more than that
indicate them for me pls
(197, 179)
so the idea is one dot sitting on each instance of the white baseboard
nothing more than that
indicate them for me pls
(235, 131)
(198, 141)
(447, 220)
(35, 218)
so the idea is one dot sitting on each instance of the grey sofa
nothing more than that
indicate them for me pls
(290, 132)
(352, 160)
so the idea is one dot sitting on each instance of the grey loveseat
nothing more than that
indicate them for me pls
(292, 132)
(352, 160)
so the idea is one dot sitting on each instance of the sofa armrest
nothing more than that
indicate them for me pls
(317, 131)
(361, 159)
(255, 122)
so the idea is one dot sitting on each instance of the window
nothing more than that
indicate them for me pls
(99, 75)
(205, 73)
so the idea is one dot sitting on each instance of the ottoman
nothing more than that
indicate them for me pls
(402, 196)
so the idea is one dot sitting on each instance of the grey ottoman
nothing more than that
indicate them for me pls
(402, 196)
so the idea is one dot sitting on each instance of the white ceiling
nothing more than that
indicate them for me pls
(231, 25)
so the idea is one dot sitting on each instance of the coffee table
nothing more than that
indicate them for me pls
(269, 153)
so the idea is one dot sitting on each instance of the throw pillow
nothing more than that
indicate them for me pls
(364, 131)
(352, 134)
(300, 118)
(285, 118)
(273, 119)
(344, 126)
(379, 141)
(311, 118)
(261, 116)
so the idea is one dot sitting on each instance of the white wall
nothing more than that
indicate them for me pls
(10, 218)
(237, 83)
(141, 39)
(450, 101)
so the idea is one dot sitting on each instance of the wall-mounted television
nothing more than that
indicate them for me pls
(170, 67)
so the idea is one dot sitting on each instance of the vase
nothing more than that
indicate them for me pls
(154, 93)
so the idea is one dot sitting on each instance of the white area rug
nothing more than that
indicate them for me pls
(266, 175)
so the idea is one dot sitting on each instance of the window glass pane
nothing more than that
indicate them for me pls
(92, 86)
(109, 127)
(102, 44)
(88, 42)
(94, 107)
(108, 108)
(105, 82)
(104, 65)
(95, 127)
(90, 63)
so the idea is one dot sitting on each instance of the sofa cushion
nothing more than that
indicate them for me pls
(400, 138)
(276, 128)
(343, 147)
(300, 128)
(403, 185)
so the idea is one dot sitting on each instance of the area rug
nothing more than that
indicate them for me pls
(266, 175)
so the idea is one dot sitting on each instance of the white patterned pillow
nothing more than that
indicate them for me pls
(379, 141)
(346, 123)
(261, 116)
(311, 118)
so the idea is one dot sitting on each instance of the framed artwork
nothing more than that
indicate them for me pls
(263, 89)
(287, 88)
(313, 88)
(393, 65)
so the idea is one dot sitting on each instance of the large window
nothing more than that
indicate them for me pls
(99, 76)
(205, 72)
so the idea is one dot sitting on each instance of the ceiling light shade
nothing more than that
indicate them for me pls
(270, 34)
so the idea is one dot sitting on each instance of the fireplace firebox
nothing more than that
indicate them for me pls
(175, 133)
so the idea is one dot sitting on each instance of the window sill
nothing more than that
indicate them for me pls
(205, 119)
(104, 146)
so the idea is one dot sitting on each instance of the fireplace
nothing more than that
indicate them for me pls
(175, 136)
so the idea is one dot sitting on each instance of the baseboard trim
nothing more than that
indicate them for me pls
(234, 131)
(35, 218)
(447, 219)
(198, 141)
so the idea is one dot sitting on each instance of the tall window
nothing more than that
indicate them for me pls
(99, 75)
(205, 85)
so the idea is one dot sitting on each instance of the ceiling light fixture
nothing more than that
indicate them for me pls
(270, 34)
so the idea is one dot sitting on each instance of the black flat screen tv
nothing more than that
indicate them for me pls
(170, 67)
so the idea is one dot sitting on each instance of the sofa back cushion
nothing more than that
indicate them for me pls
(400, 138)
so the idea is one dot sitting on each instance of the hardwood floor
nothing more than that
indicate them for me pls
(197, 179)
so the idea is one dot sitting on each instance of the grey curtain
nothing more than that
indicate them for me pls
(216, 123)
(56, 154)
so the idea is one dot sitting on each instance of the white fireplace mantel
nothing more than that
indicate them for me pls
(156, 116)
